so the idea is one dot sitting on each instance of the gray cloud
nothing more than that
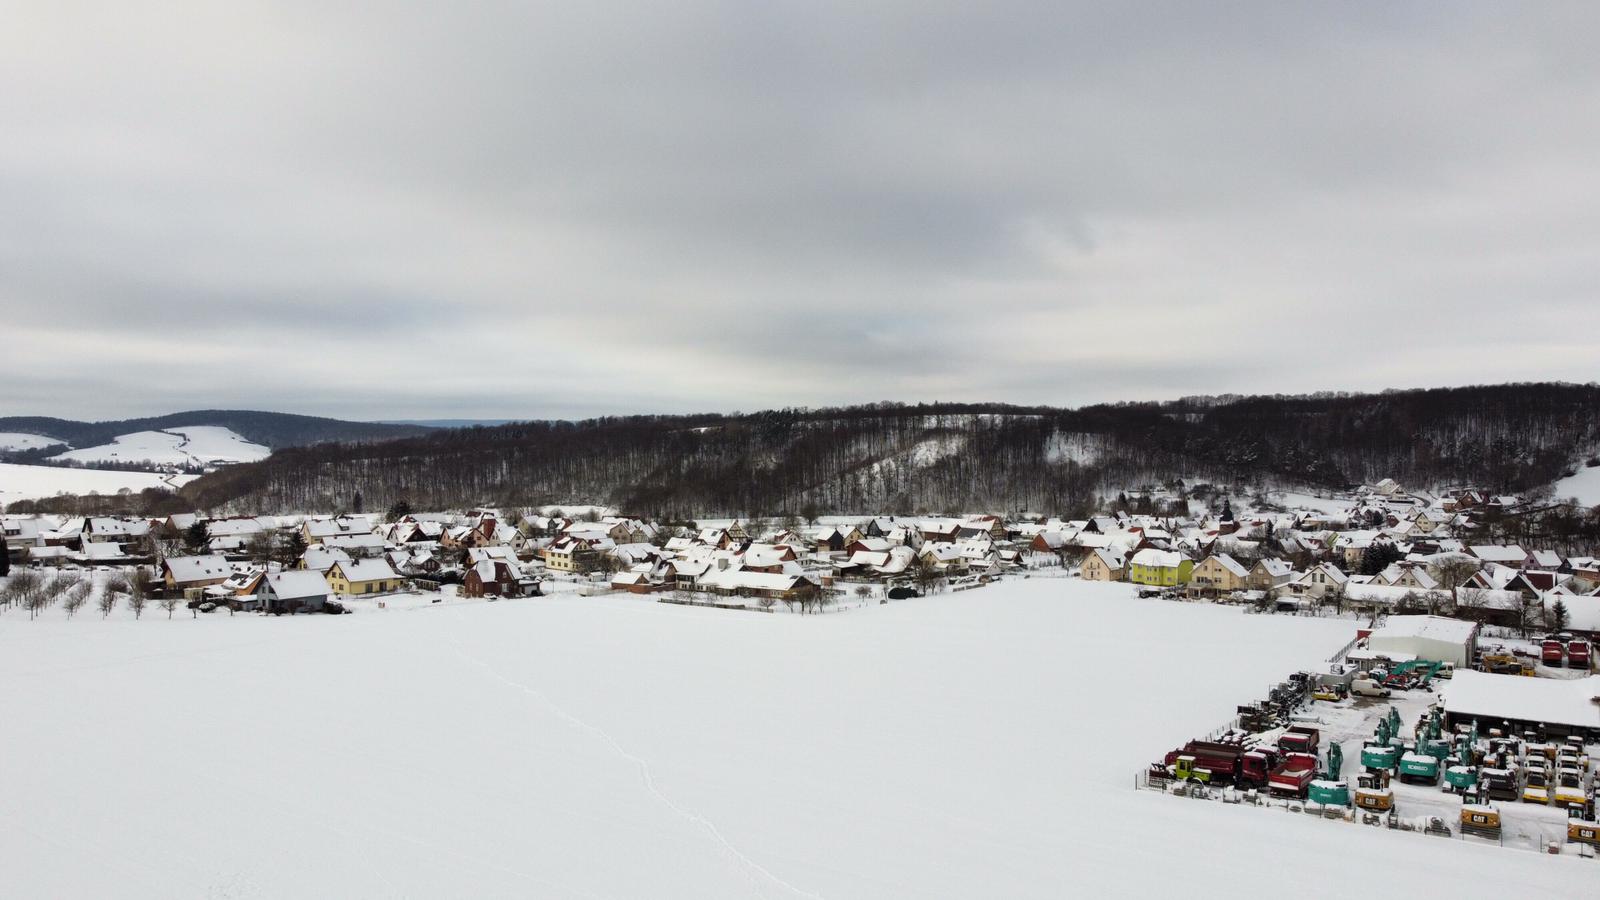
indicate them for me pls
(500, 209)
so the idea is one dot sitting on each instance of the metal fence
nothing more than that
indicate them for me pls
(1538, 837)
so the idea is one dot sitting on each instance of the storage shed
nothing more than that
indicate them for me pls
(1556, 706)
(1426, 637)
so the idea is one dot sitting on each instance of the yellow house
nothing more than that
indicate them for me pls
(1103, 565)
(363, 576)
(1217, 574)
(568, 554)
(1161, 568)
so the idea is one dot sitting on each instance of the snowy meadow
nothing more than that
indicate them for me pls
(979, 744)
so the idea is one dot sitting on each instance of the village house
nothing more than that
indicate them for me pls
(1318, 581)
(317, 530)
(1216, 575)
(1269, 574)
(320, 559)
(1503, 554)
(942, 557)
(179, 573)
(743, 583)
(496, 577)
(99, 528)
(1160, 568)
(573, 554)
(939, 531)
(1103, 564)
(293, 591)
(363, 576)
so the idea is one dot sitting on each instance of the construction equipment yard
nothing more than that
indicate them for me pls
(1388, 744)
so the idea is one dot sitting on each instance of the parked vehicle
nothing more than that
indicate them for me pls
(1500, 784)
(1368, 687)
(1419, 768)
(1294, 775)
(1537, 788)
(1300, 739)
(1552, 652)
(1373, 791)
(1212, 762)
(1578, 654)
(1580, 831)
(1482, 820)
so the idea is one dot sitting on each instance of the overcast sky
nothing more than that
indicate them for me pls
(516, 209)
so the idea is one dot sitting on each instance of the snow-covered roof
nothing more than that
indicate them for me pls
(321, 559)
(367, 569)
(1110, 558)
(1231, 564)
(1435, 628)
(1583, 611)
(1487, 598)
(234, 527)
(1276, 568)
(198, 568)
(1573, 703)
(733, 579)
(1163, 559)
(1501, 553)
(295, 584)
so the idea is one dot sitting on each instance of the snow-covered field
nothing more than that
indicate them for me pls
(1585, 485)
(31, 482)
(980, 744)
(198, 445)
(16, 440)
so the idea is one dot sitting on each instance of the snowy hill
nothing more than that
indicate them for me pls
(193, 445)
(1584, 484)
(955, 747)
(20, 482)
(14, 440)
(900, 457)
(268, 429)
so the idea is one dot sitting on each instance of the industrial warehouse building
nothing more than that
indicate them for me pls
(1559, 707)
(1425, 637)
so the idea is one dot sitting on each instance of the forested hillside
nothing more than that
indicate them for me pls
(934, 457)
(270, 429)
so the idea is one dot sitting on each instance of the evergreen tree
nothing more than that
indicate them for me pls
(1558, 615)
(5, 561)
(356, 503)
(398, 511)
(292, 547)
(194, 537)
(1377, 557)
(1227, 510)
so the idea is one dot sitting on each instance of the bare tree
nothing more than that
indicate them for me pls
(77, 596)
(138, 591)
(1455, 572)
(18, 588)
(41, 596)
(169, 602)
(107, 601)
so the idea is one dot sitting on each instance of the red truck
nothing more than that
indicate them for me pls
(1578, 654)
(1300, 739)
(1294, 775)
(1552, 652)
(1218, 763)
